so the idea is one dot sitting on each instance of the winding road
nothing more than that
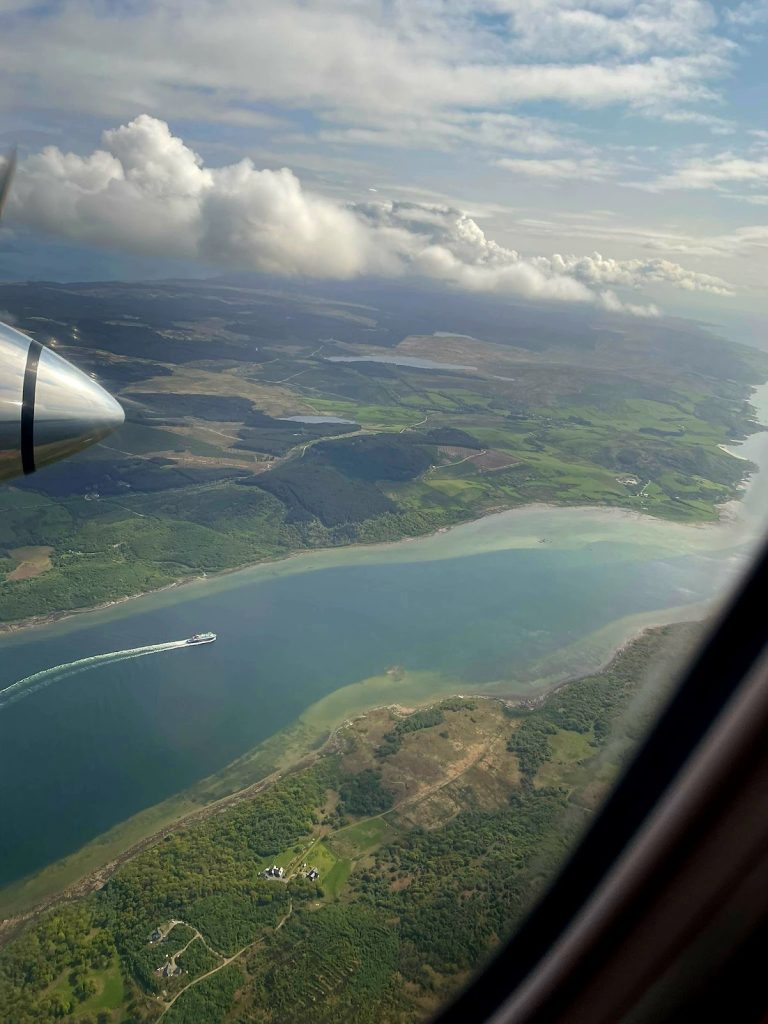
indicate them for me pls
(225, 961)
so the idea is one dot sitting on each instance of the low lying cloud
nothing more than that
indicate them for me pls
(146, 191)
(600, 270)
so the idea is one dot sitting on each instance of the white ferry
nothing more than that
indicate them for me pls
(201, 638)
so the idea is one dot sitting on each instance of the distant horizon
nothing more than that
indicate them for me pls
(733, 326)
(573, 152)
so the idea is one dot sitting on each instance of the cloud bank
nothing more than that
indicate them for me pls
(146, 191)
(358, 63)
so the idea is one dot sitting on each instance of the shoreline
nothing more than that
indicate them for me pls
(726, 513)
(727, 450)
(39, 621)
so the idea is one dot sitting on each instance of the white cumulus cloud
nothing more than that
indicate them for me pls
(600, 270)
(146, 191)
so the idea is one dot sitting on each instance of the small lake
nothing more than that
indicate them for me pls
(484, 607)
(419, 364)
(313, 419)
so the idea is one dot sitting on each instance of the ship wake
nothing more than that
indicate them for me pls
(39, 680)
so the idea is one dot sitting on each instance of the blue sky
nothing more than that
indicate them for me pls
(605, 151)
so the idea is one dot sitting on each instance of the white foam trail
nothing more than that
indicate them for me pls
(31, 684)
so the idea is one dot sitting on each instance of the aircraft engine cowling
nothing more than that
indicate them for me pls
(48, 408)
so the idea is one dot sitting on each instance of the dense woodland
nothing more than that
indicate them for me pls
(402, 909)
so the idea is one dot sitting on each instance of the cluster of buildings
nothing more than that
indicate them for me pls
(276, 872)
(169, 969)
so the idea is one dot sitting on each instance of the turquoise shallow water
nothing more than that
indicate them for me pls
(85, 746)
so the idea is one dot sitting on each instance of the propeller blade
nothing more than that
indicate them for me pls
(6, 176)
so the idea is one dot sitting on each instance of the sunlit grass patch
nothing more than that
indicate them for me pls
(109, 994)
(336, 879)
(364, 836)
(568, 749)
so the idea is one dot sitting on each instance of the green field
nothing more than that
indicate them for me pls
(105, 985)
(361, 838)
(334, 871)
